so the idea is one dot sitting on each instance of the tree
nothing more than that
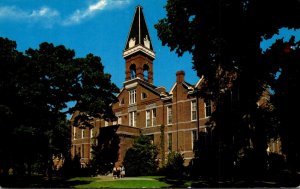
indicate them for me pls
(141, 158)
(105, 151)
(224, 39)
(11, 62)
(284, 58)
(35, 89)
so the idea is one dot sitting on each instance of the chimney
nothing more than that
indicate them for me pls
(180, 76)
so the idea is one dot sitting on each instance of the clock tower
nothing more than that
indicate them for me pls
(138, 52)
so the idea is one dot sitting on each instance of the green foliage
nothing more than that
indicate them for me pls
(283, 58)
(162, 144)
(105, 154)
(224, 39)
(141, 158)
(35, 89)
(175, 165)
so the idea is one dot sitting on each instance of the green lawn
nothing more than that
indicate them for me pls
(137, 182)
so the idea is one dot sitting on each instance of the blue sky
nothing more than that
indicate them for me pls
(95, 26)
(91, 26)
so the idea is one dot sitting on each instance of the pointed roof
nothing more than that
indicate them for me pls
(138, 38)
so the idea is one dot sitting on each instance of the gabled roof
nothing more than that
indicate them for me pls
(199, 81)
(185, 84)
(138, 38)
(154, 89)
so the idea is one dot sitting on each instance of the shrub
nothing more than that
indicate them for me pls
(175, 165)
(141, 158)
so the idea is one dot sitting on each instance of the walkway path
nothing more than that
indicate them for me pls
(110, 177)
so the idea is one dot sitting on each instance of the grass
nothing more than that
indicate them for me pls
(137, 182)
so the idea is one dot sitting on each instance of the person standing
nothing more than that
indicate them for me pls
(122, 171)
(114, 172)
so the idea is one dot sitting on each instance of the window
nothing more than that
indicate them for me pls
(147, 118)
(120, 120)
(151, 137)
(207, 105)
(193, 110)
(143, 96)
(153, 117)
(169, 115)
(170, 142)
(132, 119)
(146, 72)
(132, 96)
(91, 152)
(106, 123)
(132, 71)
(74, 133)
(82, 133)
(194, 139)
(115, 122)
(82, 151)
(74, 150)
(122, 102)
(91, 133)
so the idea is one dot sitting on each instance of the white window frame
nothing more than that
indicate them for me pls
(205, 107)
(148, 118)
(169, 115)
(120, 120)
(91, 132)
(194, 110)
(144, 97)
(82, 133)
(74, 133)
(132, 96)
(132, 119)
(122, 102)
(153, 117)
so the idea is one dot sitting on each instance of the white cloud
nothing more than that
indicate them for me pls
(45, 15)
(48, 16)
(44, 12)
(92, 9)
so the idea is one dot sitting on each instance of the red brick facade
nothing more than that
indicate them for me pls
(170, 118)
(151, 109)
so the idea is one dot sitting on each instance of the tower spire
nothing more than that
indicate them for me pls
(138, 38)
(138, 52)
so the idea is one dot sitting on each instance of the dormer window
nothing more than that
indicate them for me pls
(132, 71)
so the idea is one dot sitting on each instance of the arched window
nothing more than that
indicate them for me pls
(132, 71)
(146, 72)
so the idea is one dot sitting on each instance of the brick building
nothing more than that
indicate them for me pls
(173, 119)
(144, 108)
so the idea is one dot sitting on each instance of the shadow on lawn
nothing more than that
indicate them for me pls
(283, 179)
(38, 182)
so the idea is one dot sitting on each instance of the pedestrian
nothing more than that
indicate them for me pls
(122, 171)
(114, 172)
(119, 172)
